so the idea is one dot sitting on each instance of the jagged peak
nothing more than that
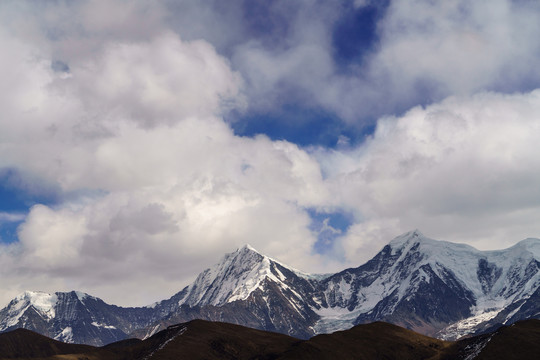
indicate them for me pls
(246, 250)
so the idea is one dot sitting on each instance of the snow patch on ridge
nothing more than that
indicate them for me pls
(103, 325)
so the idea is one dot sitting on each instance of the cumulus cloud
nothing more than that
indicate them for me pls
(422, 52)
(157, 82)
(464, 169)
(457, 47)
(165, 187)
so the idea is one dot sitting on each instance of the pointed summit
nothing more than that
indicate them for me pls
(248, 247)
(233, 278)
(236, 277)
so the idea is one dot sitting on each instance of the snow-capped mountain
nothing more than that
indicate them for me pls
(434, 287)
(250, 289)
(72, 317)
(237, 276)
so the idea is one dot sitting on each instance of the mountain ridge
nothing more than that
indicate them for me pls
(435, 287)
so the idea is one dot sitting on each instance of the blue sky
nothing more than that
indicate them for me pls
(18, 195)
(140, 141)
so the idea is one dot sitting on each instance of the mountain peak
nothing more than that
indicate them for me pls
(412, 236)
(41, 302)
(248, 247)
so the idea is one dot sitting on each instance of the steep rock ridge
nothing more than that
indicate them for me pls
(433, 287)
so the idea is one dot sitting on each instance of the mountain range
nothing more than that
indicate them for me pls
(436, 288)
(200, 339)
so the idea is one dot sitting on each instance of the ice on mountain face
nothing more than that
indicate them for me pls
(466, 326)
(66, 335)
(334, 319)
(488, 280)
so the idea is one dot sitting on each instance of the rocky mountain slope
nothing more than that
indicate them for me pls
(434, 287)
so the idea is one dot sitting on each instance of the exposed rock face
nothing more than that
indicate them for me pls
(433, 287)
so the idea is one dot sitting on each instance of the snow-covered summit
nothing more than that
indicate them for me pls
(485, 273)
(42, 302)
(235, 277)
(416, 238)
(247, 247)
(530, 245)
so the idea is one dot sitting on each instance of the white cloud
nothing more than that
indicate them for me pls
(157, 82)
(464, 169)
(11, 217)
(458, 46)
(425, 52)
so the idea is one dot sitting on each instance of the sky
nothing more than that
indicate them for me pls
(142, 140)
